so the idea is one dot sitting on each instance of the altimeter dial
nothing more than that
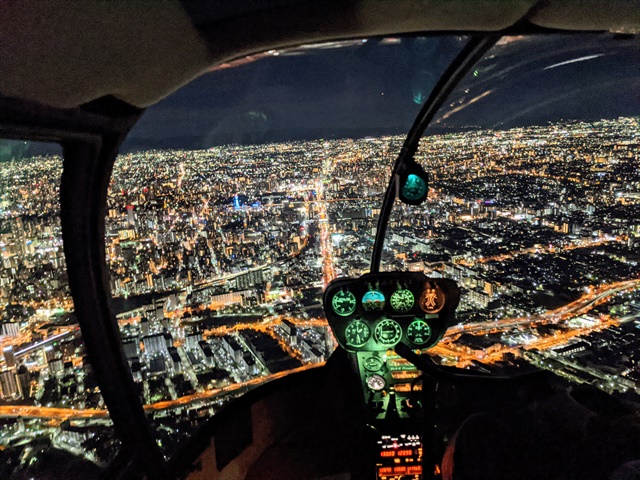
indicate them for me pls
(402, 300)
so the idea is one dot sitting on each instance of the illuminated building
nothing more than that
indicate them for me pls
(8, 384)
(9, 357)
(154, 344)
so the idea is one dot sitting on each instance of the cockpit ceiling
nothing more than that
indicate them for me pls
(65, 53)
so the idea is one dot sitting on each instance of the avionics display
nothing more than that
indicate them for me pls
(399, 457)
(379, 310)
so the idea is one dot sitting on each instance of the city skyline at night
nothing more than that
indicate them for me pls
(218, 259)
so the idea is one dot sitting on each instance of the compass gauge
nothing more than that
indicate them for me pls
(357, 333)
(402, 300)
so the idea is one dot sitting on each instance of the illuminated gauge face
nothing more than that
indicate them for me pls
(432, 299)
(376, 383)
(402, 300)
(343, 303)
(419, 332)
(373, 364)
(373, 301)
(357, 333)
(388, 332)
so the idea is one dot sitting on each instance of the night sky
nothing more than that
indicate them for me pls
(355, 89)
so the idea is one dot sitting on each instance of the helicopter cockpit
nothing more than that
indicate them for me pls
(354, 241)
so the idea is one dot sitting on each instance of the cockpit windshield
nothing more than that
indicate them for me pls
(222, 230)
(236, 201)
(534, 210)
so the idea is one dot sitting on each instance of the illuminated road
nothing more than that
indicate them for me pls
(326, 248)
(463, 356)
(67, 331)
(225, 278)
(575, 308)
(264, 325)
(539, 250)
(61, 414)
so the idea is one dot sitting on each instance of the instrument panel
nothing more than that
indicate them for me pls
(378, 310)
(369, 316)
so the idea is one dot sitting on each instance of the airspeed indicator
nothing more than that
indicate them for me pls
(343, 303)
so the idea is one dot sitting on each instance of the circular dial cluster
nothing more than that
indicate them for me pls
(378, 311)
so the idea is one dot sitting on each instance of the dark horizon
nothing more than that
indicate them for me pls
(378, 87)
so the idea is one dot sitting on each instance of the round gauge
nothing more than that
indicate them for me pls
(357, 333)
(373, 364)
(376, 383)
(388, 332)
(402, 300)
(343, 303)
(373, 301)
(419, 332)
(432, 299)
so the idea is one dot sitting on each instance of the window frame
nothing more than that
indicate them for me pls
(90, 137)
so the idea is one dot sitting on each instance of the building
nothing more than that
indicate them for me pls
(9, 384)
(154, 344)
(11, 329)
(9, 356)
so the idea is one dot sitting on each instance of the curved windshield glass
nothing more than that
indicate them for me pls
(53, 419)
(534, 210)
(228, 210)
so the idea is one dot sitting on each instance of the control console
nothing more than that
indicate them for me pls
(369, 317)
(375, 312)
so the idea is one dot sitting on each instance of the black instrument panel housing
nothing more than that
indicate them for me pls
(387, 283)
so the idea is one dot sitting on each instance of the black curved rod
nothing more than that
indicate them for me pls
(83, 199)
(473, 51)
(90, 136)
